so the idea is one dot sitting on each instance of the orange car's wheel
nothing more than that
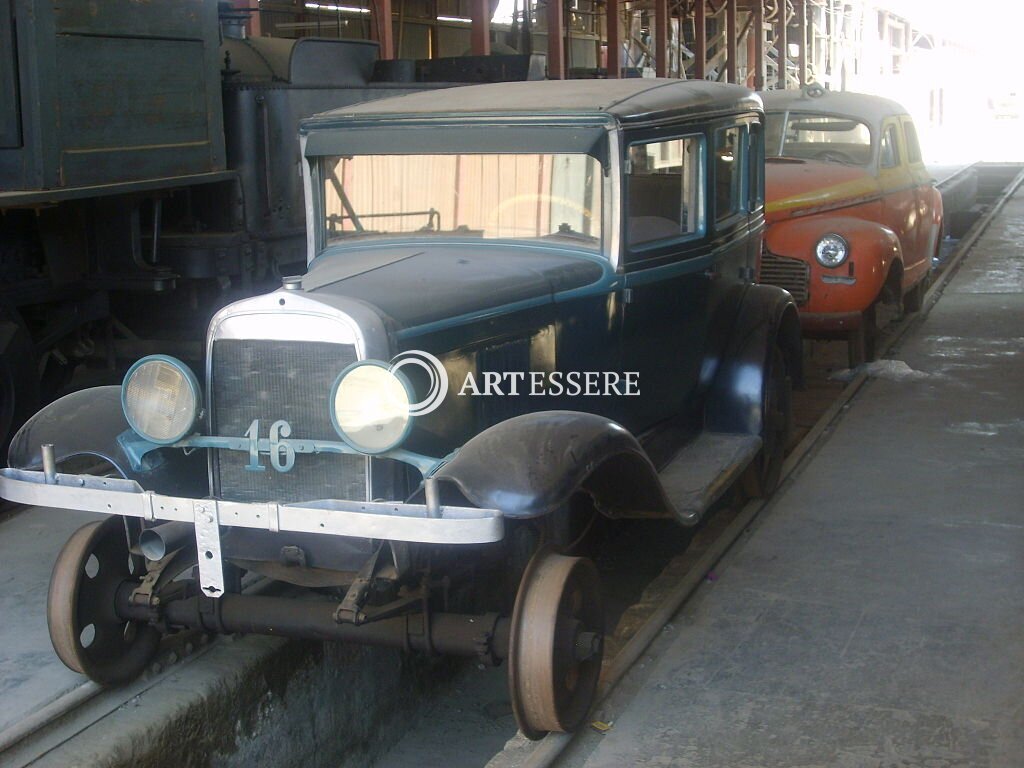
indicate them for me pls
(862, 341)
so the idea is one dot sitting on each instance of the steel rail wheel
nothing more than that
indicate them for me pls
(556, 643)
(763, 474)
(84, 628)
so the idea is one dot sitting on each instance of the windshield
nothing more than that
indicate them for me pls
(818, 137)
(519, 196)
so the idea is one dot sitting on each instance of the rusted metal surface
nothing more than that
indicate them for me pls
(700, 40)
(614, 37)
(556, 41)
(480, 30)
(731, 41)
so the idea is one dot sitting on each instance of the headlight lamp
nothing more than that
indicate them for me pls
(370, 407)
(831, 250)
(161, 400)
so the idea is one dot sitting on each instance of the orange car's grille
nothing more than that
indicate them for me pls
(792, 274)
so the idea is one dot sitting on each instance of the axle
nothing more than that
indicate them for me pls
(450, 634)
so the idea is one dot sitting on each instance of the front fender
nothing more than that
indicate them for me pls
(530, 465)
(767, 316)
(874, 248)
(89, 423)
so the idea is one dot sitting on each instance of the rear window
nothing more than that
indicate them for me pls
(818, 137)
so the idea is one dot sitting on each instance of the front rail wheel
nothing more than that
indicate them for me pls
(764, 472)
(84, 627)
(556, 644)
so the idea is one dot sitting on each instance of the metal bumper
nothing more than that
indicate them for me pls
(333, 517)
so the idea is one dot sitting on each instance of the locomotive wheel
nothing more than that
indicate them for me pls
(84, 628)
(556, 643)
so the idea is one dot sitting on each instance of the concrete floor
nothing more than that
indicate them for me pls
(31, 676)
(875, 617)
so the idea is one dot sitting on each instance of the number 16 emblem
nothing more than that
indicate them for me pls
(282, 455)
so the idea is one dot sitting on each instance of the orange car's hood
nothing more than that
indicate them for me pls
(799, 187)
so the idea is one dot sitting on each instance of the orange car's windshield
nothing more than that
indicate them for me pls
(818, 137)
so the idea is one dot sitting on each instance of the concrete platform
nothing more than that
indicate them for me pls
(875, 615)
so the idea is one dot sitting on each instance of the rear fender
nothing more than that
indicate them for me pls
(767, 316)
(90, 423)
(531, 465)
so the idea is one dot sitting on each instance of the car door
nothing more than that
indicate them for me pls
(918, 262)
(666, 269)
(898, 189)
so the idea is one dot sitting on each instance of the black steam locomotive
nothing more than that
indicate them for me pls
(149, 174)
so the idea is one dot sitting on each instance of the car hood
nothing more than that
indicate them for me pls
(420, 283)
(800, 187)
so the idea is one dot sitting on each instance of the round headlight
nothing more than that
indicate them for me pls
(160, 398)
(370, 407)
(831, 251)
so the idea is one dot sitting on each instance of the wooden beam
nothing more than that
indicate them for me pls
(661, 38)
(614, 51)
(556, 40)
(700, 40)
(480, 31)
(731, 41)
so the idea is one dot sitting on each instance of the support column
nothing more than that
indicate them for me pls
(801, 20)
(252, 24)
(757, 30)
(614, 38)
(480, 31)
(661, 38)
(783, 45)
(731, 43)
(382, 29)
(700, 40)
(556, 40)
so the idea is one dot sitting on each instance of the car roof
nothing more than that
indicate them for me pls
(627, 100)
(873, 109)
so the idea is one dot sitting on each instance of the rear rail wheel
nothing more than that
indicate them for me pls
(556, 643)
(762, 476)
(85, 630)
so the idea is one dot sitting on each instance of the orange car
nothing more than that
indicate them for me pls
(853, 217)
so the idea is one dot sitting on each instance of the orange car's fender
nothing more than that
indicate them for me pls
(854, 284)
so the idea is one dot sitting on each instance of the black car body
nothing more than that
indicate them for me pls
(522, 300)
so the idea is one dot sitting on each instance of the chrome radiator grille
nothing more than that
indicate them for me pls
(792, 274)
(290, 380)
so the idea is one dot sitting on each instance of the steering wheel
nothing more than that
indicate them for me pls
(834, 156)
(533, 199)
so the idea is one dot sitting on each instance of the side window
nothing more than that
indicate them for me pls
(728, 156)
(665, 199)
(912, 144)
(888, 151)
(755, 156)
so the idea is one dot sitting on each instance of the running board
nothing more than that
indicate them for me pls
(705, 469)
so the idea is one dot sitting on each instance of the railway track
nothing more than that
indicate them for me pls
(642, 604)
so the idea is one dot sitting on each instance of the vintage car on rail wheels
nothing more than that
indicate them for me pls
(853, 216)
(526, 305)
